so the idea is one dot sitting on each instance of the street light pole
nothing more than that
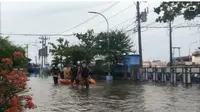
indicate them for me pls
(190, 49)
(107, 36)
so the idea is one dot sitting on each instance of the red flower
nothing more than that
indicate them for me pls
(28, 98)
(19, 108)
(9, 77)
(3, 72)
(15, 100)
(17, 81)
(12, 109)
(18, 54)
(30, 105)
(23, 74)
(23, 85)
(7, 61)
(14, 73)
(24, 78)
(1, 100)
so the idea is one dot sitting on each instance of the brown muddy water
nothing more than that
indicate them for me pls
(116, 96)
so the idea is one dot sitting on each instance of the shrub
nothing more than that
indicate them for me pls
(13, 85)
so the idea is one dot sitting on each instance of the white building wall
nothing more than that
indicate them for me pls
(196, 59)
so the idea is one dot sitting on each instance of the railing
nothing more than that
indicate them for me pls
(161, 74)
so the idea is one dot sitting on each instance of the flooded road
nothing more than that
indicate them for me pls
(118, 96)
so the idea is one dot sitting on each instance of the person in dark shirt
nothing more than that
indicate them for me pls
(85, 75)
(74, 72)
(55, 71)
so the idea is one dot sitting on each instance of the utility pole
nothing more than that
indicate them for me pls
(170, 42)
(43, 41)
(27, 50)
(36, 60)
(139, 33)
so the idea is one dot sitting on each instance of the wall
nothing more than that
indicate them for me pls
(196, 59)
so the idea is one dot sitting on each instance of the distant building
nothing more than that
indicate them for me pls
(196, 57)
(154, 63)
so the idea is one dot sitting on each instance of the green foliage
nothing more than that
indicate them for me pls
(88, 42)
(7, 49)
(120, 44)
(170, 10)
(92, 45)
(76, 53)
(59, 50)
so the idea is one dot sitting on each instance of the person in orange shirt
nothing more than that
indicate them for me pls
(67, 72)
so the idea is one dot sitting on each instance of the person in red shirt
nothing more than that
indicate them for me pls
(55, 71)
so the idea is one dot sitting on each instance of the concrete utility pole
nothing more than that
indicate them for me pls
(43, 41)
(170, 42)
(139, 33)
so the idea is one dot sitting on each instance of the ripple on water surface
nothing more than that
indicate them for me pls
(118, 96)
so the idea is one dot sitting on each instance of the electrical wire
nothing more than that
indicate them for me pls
(153, 27)
(123, 22)
(114, 15)
(18, 34)
(112, 5)
(130, 25)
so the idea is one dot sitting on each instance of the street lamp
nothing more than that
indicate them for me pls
(190, 49)
(107, 35)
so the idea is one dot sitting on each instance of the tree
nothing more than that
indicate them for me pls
(120, 44)
(170, 10)
(88, 42)
(59, 50)
(76, 53)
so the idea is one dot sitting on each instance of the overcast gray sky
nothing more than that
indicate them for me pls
(55, 17)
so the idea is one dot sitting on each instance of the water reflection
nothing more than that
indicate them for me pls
(116, 96)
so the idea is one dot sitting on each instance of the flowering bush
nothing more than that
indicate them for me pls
(13, 85)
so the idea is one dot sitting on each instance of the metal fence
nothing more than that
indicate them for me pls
(186, 75)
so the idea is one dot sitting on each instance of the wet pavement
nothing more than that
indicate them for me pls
(116, 96)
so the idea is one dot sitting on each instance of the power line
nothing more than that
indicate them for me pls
(130, 24)
(158, 27)
(115, 14)
(123, 22)
(141, 27)
(173, 26)
(51, 35)
(112, 5)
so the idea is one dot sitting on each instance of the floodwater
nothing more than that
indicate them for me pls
(116, 96)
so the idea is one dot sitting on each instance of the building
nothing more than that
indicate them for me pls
(196, 58)
(155, 63)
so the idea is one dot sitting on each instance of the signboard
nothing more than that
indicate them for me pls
(43, 52)
(131, 60)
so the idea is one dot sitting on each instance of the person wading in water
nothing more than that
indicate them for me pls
(67, 72)
(55, 71)
(74, 71)
(85, 75)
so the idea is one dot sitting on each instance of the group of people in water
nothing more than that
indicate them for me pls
(78, 73)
